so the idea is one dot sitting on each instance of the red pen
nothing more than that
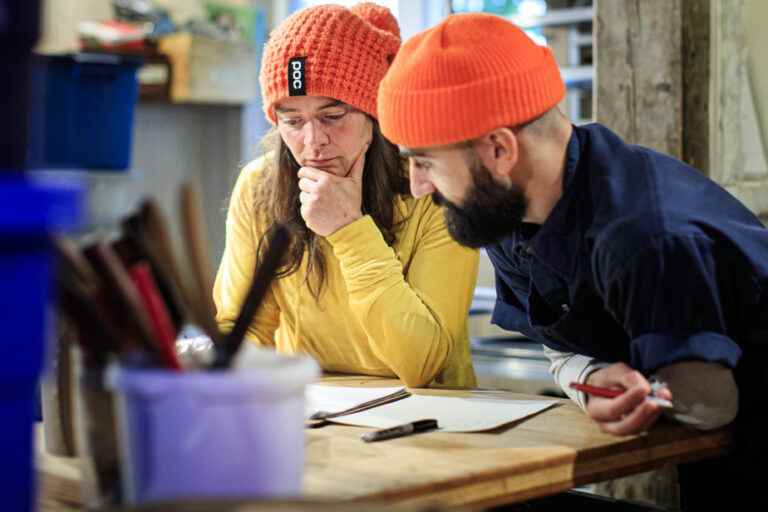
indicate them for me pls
(613, 393)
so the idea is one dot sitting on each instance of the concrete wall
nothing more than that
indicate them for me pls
(755, 15)
(746, 172)
(737, 146)
(174, 143)
(59, 22)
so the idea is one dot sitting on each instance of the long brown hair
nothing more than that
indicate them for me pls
(384, 178)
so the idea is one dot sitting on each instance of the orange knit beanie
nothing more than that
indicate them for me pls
(463, 78)
(332, 51)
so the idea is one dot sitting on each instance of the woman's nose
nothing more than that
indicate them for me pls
(315, 134)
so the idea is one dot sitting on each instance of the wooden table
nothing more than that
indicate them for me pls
(551, 452)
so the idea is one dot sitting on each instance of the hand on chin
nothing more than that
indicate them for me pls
(330, 201)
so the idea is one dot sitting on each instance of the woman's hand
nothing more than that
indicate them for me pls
(629, 413)
(329, 202)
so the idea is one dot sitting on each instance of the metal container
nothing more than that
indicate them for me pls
(513, 363)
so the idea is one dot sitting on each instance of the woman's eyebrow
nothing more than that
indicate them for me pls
(333, 103)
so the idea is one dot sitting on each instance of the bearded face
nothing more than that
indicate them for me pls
(490, 210)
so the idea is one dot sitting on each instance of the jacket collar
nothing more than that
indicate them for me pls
(558, 240)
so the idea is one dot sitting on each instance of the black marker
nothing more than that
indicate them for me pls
(399, 431)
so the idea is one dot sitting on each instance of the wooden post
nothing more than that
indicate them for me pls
(639, 86)
(673, 75)
(696, 86)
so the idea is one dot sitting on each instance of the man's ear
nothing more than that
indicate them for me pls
(499, 152)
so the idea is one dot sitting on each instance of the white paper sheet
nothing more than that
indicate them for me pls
(480, 410)
(338, 398)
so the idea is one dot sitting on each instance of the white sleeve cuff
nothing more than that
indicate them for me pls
(567, 367)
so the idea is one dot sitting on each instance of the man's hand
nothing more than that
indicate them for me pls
(329, 202)
(629, 413)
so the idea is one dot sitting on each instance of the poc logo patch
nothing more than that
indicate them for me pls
(297, 77)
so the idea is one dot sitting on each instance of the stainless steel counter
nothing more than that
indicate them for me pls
(514, 363)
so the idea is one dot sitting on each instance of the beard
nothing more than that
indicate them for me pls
(490, 211)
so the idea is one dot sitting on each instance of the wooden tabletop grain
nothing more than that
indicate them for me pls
(548, 453)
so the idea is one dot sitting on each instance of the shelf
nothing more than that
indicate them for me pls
(583, 39)
(210, 71)
(571, 45)
(485, 292)
(577, 74)
(555, 17)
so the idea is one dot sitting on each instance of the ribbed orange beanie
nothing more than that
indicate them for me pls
(332, 51)
(463, 78)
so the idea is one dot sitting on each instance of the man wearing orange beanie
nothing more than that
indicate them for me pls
(623, 262)
(356, 290)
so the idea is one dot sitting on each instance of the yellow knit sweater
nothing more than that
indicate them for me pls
(397, 311)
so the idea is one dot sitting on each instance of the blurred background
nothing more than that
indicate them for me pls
(681, 76)
(198, 112)
(129, 98)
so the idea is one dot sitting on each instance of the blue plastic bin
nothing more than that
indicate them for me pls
(28, 213)
(82, 111)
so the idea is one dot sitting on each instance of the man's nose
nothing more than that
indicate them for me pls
(420, 184)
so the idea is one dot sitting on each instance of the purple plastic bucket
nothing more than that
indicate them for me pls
(213, 434)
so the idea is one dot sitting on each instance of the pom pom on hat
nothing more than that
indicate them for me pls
(378, 16)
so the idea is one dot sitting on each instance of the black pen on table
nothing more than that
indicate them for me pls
(399, 431)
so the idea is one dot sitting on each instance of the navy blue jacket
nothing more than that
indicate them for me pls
(642, 260)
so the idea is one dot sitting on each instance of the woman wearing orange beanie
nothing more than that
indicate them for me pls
(373, 282)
